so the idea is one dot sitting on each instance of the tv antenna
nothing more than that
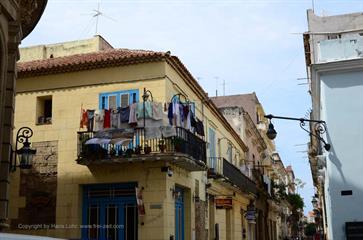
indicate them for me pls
(96, 14)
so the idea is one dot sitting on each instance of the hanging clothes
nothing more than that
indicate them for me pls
(170, 113)
(193, 122)
(157, 111)
(185, 112)
(90, 123)
(98, 120)
(132, 116)
(140, 110)
(180, 117)
(107, 119)
(124, 114)
(84, 119)
(200, 128)
(152, 133)
(168, 131)
(115, 119)
(188, 124)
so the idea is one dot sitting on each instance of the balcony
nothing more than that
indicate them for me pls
(184, 149)
(215, 167)
(237, 178)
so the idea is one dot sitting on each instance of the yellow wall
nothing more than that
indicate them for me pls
(39, 52)
(69, 92)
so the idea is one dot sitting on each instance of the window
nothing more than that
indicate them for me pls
(44, 110)
(113, 100)
(212, 148)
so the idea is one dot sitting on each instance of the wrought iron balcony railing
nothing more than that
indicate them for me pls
(237, 178)
(183, 143)
(215, 167)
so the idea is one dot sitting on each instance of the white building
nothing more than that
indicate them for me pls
(334, 59)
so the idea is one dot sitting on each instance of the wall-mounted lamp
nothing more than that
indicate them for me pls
(319, 128)
(24, 154)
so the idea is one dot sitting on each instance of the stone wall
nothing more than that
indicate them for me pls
(39, 187)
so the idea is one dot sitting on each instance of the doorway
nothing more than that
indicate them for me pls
(179, 214)
(109, 212)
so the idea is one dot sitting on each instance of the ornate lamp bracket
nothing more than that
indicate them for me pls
(318, 128)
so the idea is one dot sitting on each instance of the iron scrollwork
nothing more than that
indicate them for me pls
(319, 128)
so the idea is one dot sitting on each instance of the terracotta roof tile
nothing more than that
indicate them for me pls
(78, 62)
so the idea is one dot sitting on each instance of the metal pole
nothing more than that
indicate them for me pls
(270, 116)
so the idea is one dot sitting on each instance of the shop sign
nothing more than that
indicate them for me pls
(223, 203)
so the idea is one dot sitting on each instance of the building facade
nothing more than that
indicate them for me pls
(164, 173)
(17, 20)
(262, 163)
(333, 46)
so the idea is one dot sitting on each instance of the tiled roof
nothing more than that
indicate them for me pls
(79, 62)
(246, 101)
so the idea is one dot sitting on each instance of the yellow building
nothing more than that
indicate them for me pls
(83, 184)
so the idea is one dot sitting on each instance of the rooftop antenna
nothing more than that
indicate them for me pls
(224, 87)
(216, 85)
(96, 13)
(313, 5)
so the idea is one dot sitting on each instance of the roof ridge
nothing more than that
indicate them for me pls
(234, 95)
(97, 53)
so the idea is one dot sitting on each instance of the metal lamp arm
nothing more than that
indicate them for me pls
(319, 127)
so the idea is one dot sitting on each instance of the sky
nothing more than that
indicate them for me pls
(251, 45)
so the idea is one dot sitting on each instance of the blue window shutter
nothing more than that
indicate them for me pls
(104, 98)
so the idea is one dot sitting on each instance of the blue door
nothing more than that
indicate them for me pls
(109, 212)
(179, 214)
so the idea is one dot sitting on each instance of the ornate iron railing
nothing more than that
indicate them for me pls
(183, 141)
(236, 177)
(215, 167)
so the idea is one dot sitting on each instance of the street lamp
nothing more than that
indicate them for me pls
(319, 128)
(26, 153)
